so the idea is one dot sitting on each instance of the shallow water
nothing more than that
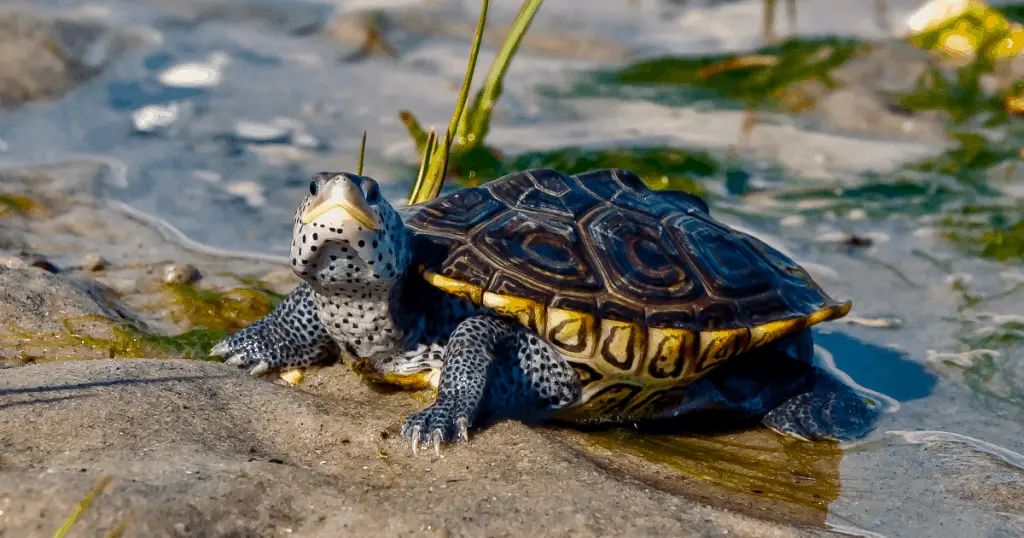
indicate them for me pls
(946, 458)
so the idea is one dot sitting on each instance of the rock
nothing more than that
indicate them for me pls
(181, 273)
(13, 262)
(46, 316)
(400, 30)
(153, 118)
(42, 57)
(866, 98)
(94, 262)
(251, 131)
(196, 74)
(202, 449)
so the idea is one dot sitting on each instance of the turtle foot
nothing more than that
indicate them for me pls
(839, 415)
(290, 336)
(435, 425)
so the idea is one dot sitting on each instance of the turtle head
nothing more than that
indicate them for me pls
(347, 239)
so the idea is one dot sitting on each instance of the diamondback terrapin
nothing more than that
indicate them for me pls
(586, 297)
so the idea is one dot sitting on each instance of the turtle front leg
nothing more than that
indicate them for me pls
(290, 336)
(490, 363)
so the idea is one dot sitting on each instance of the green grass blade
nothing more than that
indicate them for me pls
(416, 194)
(474, 127)
(433, 168)
(453, 125)
(435, 186)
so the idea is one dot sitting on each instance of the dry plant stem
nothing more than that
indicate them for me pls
(102, 485)
(750, 118)
(742, 62)
(769, 19)
(362, 154)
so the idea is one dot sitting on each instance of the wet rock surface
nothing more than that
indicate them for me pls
(213, 452)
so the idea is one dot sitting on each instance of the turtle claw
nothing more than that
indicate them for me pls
(415, 440)
(435, 426)
(220, 349)
(435, 439)
(259, 369)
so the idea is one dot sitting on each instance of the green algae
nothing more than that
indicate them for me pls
(209, 309)
(1013, 12)
(764, 78)
(208, 315)
(993, 233)
(12, 203)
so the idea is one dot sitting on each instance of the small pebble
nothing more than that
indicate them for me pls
(251, 131)
(181, 273)
(195, 74)
(93, 262)
(13, 262)
(857, 214)
(152, 118)
(250, 190)
(793, 220)
(305, 141)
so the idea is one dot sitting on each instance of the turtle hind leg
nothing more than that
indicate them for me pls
(290, 336)
(831, 411)
(821, 407)
(779, 386)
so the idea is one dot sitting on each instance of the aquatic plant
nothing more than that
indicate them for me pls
(461, 149)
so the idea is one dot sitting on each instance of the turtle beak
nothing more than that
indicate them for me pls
(340, 201)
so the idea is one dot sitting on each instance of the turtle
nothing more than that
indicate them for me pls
(585, 298)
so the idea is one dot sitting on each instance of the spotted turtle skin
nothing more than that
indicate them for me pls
(643, 292)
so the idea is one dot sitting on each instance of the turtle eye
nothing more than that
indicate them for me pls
(372, 192)
(313, 187)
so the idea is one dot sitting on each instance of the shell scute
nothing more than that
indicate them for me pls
(640, 265)
(545, 252)
(456, 213)
(543, 190)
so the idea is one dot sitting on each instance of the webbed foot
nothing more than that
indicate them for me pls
(291, 336)
(832, 413)
(435, 425)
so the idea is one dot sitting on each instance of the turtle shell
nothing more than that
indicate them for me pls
(642, 291)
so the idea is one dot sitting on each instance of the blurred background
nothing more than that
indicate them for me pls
(878, 142)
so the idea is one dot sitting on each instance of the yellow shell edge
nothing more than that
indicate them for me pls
(530, 313)
(470, 292)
